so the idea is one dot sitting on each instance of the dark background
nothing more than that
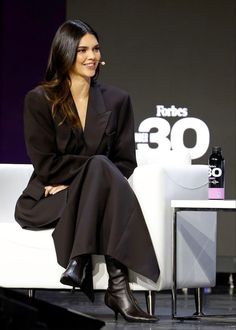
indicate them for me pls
(26, 31)
(166, 52)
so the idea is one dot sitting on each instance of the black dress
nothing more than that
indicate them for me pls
(99, 212)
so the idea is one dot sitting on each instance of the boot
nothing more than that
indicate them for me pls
(119, 297)
(79, 274)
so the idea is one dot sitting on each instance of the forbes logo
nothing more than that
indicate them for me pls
(161, 111)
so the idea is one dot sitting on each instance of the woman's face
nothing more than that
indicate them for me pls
(88, 57)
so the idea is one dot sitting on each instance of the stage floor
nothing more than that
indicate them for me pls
(219, 301)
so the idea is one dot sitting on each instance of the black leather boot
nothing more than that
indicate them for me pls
(119, 296)
(79, 274)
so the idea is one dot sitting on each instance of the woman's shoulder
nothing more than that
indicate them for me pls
(37, 98)
(36, 91)
(36, 102)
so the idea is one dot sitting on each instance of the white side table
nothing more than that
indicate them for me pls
(193, 205)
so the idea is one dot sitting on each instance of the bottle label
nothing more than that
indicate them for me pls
(216, 193)
(216, 176)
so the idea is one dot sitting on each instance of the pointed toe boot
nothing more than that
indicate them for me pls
(119, 297)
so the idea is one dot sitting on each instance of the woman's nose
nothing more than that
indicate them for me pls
(91, 54)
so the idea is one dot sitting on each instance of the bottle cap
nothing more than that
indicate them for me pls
(216, 149)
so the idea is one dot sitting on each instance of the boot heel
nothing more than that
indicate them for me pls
(79, 274)
(108, 302)
(87, 285)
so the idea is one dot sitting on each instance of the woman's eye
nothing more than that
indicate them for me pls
(81, 50)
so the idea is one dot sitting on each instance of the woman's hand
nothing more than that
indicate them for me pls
(52, 190)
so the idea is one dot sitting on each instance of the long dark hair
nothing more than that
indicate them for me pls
(62, 56)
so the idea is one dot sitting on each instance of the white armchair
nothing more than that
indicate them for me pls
(155, 185)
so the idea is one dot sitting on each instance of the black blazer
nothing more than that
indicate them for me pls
(57, 151)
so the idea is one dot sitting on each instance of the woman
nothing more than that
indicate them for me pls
(80, 137)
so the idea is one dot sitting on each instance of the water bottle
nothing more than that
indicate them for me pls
(216, 175)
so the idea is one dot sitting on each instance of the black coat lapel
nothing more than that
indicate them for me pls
(96, 119)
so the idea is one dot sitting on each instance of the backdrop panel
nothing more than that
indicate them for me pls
(177, 60)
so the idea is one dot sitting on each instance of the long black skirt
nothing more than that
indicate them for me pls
(98, 214)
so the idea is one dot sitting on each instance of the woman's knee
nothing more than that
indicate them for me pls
(102, 164)
(100, 160)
